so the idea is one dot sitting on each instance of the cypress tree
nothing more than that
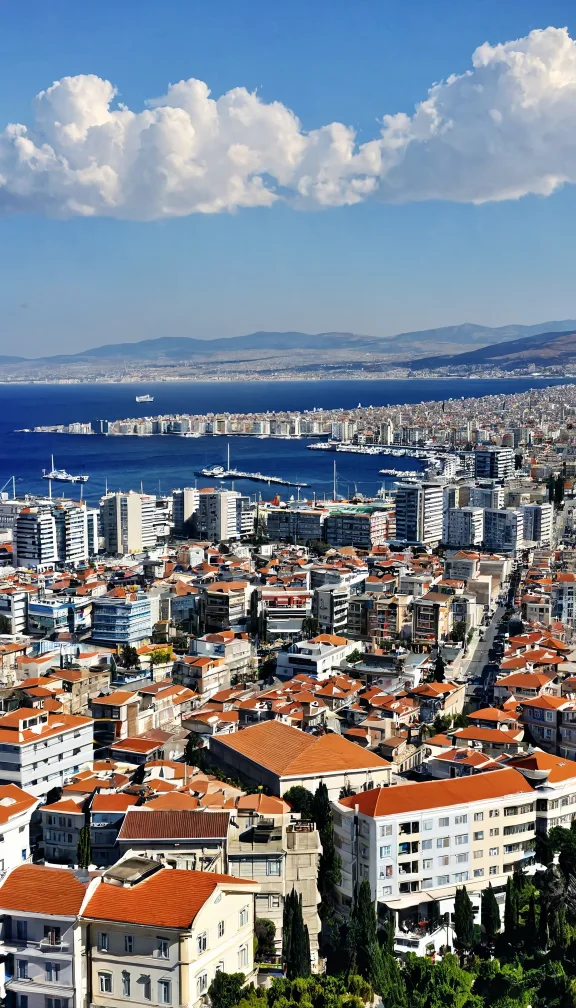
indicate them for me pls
(463, 920)
(329, 867)
(321, 810)
(368, 953)
(510, 912)
(297, 955)
(84, 848)
(530, 922)
(490, 914)
(287, 918)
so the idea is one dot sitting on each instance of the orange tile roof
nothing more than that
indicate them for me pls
(113, 802)
(560, 769)
(529, 680)
(37, 889)
(287, 751)
(437, 794)
(14, 801)
(494, 735)
(170, 898)
(65, 805)
(173, 802)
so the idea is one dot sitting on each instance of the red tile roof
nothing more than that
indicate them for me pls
(41, 890)
(183, 824)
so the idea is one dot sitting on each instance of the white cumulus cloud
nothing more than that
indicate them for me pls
(503, 129)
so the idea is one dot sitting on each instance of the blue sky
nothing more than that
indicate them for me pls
(69, 282)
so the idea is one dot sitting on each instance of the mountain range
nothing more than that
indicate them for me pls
(447, 339)
(542, 349)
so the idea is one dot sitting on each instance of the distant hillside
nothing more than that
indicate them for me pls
(542, 348)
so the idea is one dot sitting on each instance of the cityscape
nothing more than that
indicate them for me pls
(287, 545)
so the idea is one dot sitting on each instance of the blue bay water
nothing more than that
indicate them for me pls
(164, 462)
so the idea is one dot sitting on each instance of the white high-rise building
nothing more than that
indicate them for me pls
(419, 512)
(35, 542)
(487, 497)
(539, 523)
(465, 527)
(71, 519)
(504, 529)
(184, 507)
(128, 522)
(223, 514)
(494, 463)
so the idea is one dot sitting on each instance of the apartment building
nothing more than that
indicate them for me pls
(121, 617)
(184, 507)
(269, 844)
(298, 525)
(225, 605)
(62, 822)
(180, 838)
(419, 508)
(14, 607)
(464, 526)
(157, 935)
(416, 844)
(504, 529)
(34, 540)
(222, 515)
(494, 463)
(361, 526)
(318, 657)
(40, 940)
(128, 521)
(282, 612)
(563, 594)
(432, 618)
(539, 523)
(330, 604)
(40, 750)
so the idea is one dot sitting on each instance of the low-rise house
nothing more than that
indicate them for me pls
(318, 657)
(158, 935)
(279, 756)
(523, 686)
(460, 762)
(438, 698)
(16, 810)
(542, 719)
(62, 822)
(204, 674)
(182, 839)
(107, 813)
(492, 741)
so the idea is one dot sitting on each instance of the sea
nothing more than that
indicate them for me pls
(160, 463)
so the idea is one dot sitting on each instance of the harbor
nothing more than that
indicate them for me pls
(221, 473)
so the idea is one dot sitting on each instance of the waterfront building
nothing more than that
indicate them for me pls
(361, 526)
(35, 543)
(298, 525)
(419, 512)
(223, 514)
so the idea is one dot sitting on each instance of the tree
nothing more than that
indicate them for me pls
(458, 632)
(330, 865)
(463, 920)
(321, 809)
(438, 985)
(490, 914)
(439, 668)
(511, 912)
(300, 799)
(113, 666)
(558, 490)
(53, 795)
(460, 721)
(551, 487)
(318, 546)
(225, 989)
(159, 657)
(518, 460)
(84, 848)
(355, 656)
(310, 627)
(130, 657)
(366, 947)
(194, 753)
(5, 625)
(265, 934)
(295, 939)
(441, 723)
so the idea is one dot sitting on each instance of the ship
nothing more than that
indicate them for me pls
(216, 471)
(61, 476)
(144, 398)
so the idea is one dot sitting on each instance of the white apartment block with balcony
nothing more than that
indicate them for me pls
(128, 522)
(39, 751)
(416, 844)
(464, 527)
(419, 512)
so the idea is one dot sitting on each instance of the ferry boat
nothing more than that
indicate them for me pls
(144, 398)
(61, 476)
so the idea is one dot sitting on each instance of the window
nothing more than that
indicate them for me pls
(105, 983)
(103, 941)
(461, 839)
(242, 956)
(52, 935)
(220, 966)
(442, 879)
(479, 835)
(273, 867)
(478, 816)
(461, 876)
(201, 983)
(52, 972)
(511, 810)
(478, 872)
(427, 883)
(164, 991)
(426, 845)
(461, 858)
(493, 852)
(494, 813)
(146, 988)
(129, 944)
(22, 969)
(478, 854)
(385, 831)
(202, 942)
(125, 983)
(243, 917)
(385, 851)
(274, 903)
(387, 890)
(163, 949)
(495, 832)
(443, 861)
(21, 930)
(54, 1002)
(443, 841)
(221, 925)
(459, 819)
(444, 822)
(22, 1000)
(426, 864)
(428, 824)
(494, 869)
